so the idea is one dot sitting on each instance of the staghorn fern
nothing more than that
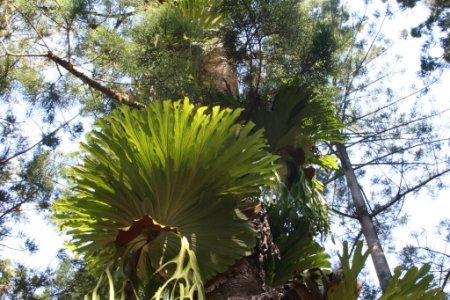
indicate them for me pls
(414, 284)
(161, 176)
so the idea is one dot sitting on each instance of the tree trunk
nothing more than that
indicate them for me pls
(242, 280)
(368, 227)
(246, 278)
(219, 72)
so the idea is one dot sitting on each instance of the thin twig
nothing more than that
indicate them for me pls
(399, 196)
(4, 161)
(338, 212)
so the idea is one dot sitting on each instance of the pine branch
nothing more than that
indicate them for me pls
(13, 208)
(117, 95)
(338, 212)
(373, 136)
(400, 196)
(376, 160)
(6, 160)
(395, 102)
(120, 97)
(428, 249)
(358, 67)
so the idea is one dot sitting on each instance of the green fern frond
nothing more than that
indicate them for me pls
(174, 170)
(414, 284)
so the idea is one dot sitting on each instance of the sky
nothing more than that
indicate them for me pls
(424, 213)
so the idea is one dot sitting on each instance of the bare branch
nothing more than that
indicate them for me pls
(117, 15)
(9, 53)
(338, 212)
(13, 208)
(373, 135)
(400, 196)
(395, 102)
(376, 161)
(428, 249)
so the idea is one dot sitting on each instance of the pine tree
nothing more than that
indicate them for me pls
(386, 130)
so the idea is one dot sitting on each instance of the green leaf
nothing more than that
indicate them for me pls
(185, 167)
(199, 13)
(300, 116)
(415, 284)
(296, 254)
(297, 249)
(346, 289)
(305, 201)
(185, 281)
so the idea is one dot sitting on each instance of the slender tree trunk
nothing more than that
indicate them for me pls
(368, 227)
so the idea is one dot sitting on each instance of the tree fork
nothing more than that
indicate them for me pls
(368, 227)
(119, 96)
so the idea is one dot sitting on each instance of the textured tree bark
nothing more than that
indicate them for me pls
(368, 227)
(219, 72)
(241, 280)
(246, 278)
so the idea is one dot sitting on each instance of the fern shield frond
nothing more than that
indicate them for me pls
(153, 177)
